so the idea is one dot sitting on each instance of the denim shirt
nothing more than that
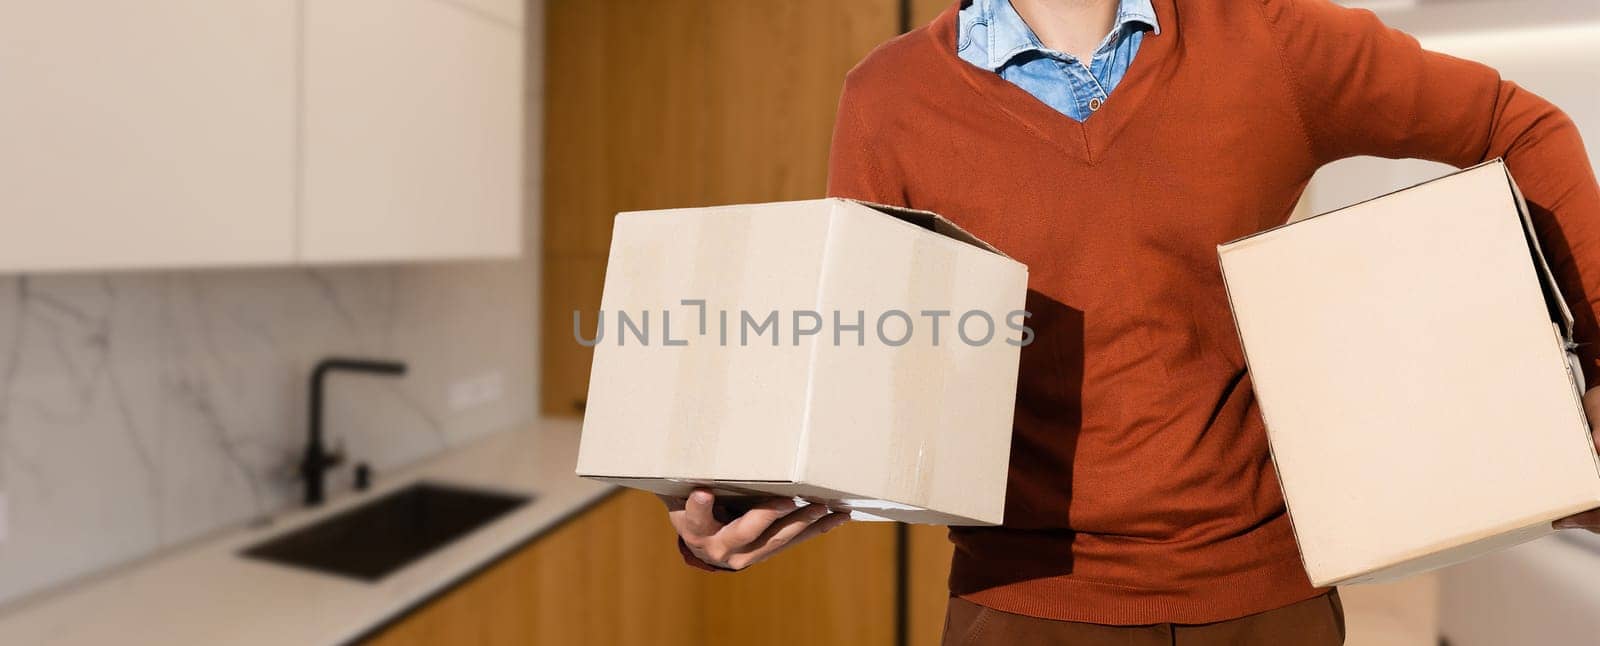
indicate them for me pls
(993, 36)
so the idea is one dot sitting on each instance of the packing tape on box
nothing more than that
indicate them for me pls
(702, 376)
(913, 449)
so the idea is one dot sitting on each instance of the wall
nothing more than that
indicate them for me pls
(139, 411)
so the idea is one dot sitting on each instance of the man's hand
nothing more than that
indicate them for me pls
(771, 526)
(1589, 520)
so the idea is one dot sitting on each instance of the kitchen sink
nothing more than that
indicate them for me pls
(374, 539)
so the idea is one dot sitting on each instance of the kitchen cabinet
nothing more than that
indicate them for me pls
(717, 101)
(678, 103)
(613, 576)
(412, 131)
(189, 133)
(924, 11)
(140, 134)
(928, 552)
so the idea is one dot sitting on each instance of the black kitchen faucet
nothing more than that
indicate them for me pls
(318, 460)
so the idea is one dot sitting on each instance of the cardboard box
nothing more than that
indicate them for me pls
(1409, 355)
(769, 388)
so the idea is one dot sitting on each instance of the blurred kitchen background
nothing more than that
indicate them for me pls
(199, 201)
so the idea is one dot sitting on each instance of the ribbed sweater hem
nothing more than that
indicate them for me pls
(1066, 598)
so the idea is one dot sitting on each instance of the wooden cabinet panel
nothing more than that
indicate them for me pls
(679, 103)
(613, 576)
(924, 11)
(146, 134)
(928, 589)
(412, 132)
(836, 589)
(571, 284)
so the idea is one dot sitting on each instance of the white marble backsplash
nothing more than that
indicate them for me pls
(141, 410)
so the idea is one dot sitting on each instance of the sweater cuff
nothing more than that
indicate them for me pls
(694, 561)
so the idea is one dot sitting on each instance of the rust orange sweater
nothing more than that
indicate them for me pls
(1141, 490)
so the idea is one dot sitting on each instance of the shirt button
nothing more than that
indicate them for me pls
(1095, 103)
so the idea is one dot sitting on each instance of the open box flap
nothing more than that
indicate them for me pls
(1559, 312)
(932, 222)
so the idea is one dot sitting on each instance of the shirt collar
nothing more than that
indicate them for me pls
(1009, 35)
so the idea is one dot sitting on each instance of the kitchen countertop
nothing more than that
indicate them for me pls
(205, 593)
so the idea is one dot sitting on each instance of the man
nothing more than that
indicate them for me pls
(1111, 146)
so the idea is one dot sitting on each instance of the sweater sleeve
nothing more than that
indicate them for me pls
(1365, 89)
(860, 167)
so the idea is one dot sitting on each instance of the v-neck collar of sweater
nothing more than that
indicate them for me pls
(1087, 140)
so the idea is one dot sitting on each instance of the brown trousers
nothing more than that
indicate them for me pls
(1318, 621)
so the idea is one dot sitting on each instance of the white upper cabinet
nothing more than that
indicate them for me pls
(189, 133)
(144, 134)
(412, 130)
